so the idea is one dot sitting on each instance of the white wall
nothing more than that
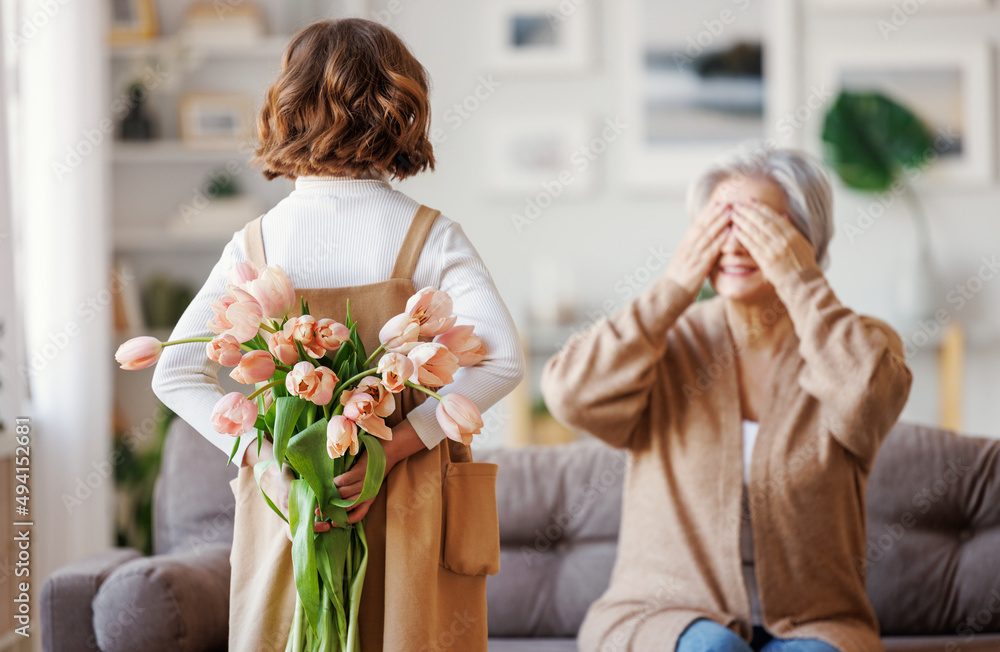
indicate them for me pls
(602, 238)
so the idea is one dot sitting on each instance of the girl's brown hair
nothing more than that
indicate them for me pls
(350, 99)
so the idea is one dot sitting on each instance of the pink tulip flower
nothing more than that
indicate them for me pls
(459, 418)
(385, 404)
(468, 348)
(139, 353)
(301, 329)
(245, 316)
(331, 334)
(341, 436)
(367, 410)
(219, 324)
(225, 349)
(282, 347)
(400, 333)
(254, 367)
(273, 291)
(433, 364)
(234, 415)
(242, 273)
(239, 294)
(431, 308)
(315, 384)
(327, 383)
(395, 369)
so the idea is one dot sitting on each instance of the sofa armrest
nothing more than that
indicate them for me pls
(178, 601)
(67, 599)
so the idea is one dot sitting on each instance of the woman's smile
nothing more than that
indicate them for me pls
(738, 270)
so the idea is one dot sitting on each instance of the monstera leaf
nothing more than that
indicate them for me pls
(869, 139)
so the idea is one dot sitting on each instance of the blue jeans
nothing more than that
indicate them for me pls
(708, 636)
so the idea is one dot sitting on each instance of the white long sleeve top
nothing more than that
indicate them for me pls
(335, 232)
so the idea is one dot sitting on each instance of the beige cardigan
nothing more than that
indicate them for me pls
(660, 378)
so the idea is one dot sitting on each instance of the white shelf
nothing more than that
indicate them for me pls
(268, 47)
(171, 151)
(156, 240)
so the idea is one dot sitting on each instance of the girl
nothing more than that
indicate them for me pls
(348, 112)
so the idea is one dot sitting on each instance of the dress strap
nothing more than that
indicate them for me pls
(413, 243)
(253, 239)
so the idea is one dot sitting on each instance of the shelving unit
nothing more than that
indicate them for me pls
(156, 181)
(167, 151)
(268, 47)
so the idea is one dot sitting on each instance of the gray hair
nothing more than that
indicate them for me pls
(801, 177)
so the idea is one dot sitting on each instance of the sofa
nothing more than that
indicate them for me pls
(933, 550)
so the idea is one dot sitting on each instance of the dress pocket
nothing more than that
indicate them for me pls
(471, 528)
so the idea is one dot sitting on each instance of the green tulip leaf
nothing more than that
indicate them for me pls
(359, 347)
(287, 411)
(306, 452)
(258, 470)
(869, 138)
(301, 502)
(343, 353)
(360, 557)
(236, 444)
(331, 561)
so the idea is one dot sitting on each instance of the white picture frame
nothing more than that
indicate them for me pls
(541, 155)
(541, 36)
(950, 86)
(882, 6)
(215, 121)
(668, 168)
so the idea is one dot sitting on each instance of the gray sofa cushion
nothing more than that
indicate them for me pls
(178, 601)
(933, 531)
(933, 552)
(193, 502)
(559, 512)
(67, 596)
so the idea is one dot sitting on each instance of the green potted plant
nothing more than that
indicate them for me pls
(876, 145)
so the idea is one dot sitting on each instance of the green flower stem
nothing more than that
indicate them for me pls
(353, 379)
(374, 355)
(189, 339)
(204, 339)
(261, 390)
(326, 412)
(421, 388)
(310, 415)
(282, 367)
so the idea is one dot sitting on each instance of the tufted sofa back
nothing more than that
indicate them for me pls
(193, 504)
(933, 534)
(933, 553)
(559, 510)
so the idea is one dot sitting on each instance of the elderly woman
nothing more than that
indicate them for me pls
(752, 421)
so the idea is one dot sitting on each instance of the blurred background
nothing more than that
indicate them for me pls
(565, 131)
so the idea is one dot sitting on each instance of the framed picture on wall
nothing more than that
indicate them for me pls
(554, 156)
(694, 85)
(215, 120)
(918, 5)
(949, 86)
(133, 21)
(541, 36)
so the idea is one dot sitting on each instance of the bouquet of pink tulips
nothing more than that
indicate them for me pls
(322, 400)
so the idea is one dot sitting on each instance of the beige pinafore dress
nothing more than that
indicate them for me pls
(432, 530)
